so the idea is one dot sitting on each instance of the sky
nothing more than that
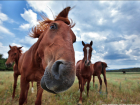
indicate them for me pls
(113, 26)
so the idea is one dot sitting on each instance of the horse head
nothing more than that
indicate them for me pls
(87, 53)
(56, 52)
(13, 55)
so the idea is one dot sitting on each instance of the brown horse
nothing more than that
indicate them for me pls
(50, 61)
(100, 68)
(14, 55)
(84, 69)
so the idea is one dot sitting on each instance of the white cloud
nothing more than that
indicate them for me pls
(101, 21)
(30, 17)
(88, 36)
(78, 56)
(43, 6)
(4, 50)
(25, 26)
(114, 12)
(3, 17)
(28, 40)
(4, 30)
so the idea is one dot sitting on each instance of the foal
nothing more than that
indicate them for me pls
(84, 69)
(100, 68)
(14, 55)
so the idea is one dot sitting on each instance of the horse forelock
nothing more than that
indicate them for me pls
(43, 25)
(13, 48)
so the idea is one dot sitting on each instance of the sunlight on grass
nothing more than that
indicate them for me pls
(122, 89)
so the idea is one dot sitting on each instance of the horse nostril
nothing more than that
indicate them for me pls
(56, 68)
(89, 62)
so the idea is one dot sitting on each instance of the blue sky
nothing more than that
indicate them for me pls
(113, 26)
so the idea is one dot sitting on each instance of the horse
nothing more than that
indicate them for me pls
(124, 72)
(13, 56)
(100, 68)
(84, 69)
(50, 61)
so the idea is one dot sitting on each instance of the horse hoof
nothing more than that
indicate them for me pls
(80, 103)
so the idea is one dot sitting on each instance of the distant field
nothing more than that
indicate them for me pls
(122, 89)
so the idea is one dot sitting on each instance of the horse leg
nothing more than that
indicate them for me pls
(32, 89)
(39, 94)
(23, 85)
(79, 82)
(84, 82)
(15, 84)
(88, 83)
(81, 90)
(100, 80)
(27, 92)
(105, 81)
(93, 80)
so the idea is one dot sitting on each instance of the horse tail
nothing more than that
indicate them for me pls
(104, 65)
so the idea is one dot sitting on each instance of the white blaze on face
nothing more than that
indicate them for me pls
(87, 52)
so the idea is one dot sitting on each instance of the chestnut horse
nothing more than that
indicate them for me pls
(13, 56)
(50, 61)
(84, 69)
(100, 68)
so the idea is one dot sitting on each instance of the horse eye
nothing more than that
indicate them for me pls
(53, 26)
(14, 53)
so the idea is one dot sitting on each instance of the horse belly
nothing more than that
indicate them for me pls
(96, 73)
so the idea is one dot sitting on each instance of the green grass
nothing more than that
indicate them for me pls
(122, 89)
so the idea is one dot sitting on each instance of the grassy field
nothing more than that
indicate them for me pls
(122, 89)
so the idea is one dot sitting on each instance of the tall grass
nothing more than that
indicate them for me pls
(122, 89)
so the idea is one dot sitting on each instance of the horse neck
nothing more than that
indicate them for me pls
(17, 59)
(35, 58)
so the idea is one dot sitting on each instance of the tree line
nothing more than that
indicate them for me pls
(4, 68)
(2, 64)
(137, 69)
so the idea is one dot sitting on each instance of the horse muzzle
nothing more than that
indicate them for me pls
(87, 63)
(59, 77)
(8, 65)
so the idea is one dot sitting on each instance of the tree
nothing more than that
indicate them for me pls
(1, 55)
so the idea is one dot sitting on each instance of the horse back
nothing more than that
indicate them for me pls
(99, 68)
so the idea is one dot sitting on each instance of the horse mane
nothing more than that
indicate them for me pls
(14, 48)
(43, 25)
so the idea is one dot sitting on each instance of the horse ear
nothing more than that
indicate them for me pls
(64, 13)
(10, 46)
(83, 43)
(19, 48)
(91, 43)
